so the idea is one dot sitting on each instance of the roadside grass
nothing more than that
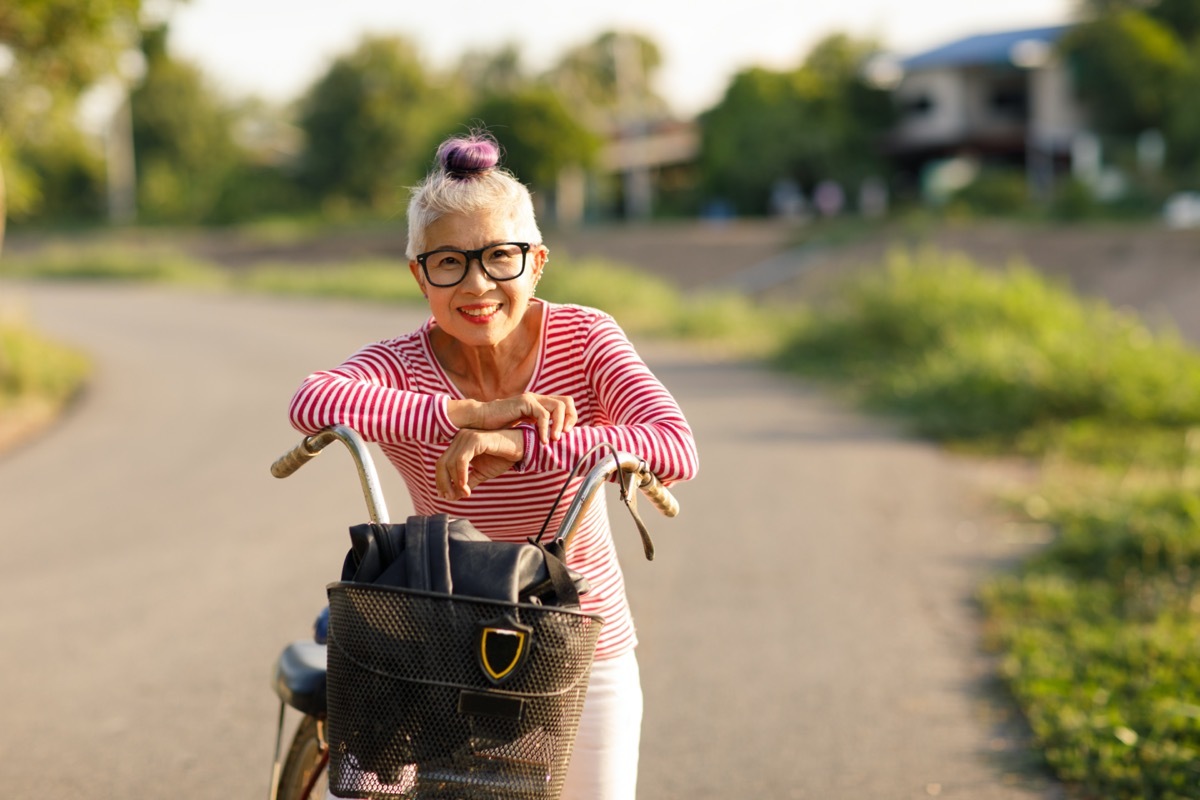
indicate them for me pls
(107, 262)
(644, 306)
(376, 280)
(38, 376)
(1099, 631)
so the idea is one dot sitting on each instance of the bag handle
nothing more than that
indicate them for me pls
(556, 567)
(628, 495)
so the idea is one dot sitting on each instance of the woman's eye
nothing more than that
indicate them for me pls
(449, 261)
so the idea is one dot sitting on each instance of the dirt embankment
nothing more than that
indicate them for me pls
(1146, 267)
(1150, 269)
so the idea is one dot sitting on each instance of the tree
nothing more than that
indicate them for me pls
(55, 48)
(369, 122)
(539, 135)
(182, 138)
(1126, 64)
(821, 120)
(610, 79)
(490, 73)
(1136, 64)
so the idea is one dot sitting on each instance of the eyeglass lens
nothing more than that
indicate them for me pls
(501, 262)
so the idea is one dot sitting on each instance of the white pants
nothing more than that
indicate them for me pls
(604, 763)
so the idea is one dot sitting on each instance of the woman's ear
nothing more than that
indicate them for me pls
(415, 269)
(541, 257)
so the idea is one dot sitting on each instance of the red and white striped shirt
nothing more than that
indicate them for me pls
(395, 393)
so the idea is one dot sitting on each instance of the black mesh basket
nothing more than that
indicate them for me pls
(438, 696)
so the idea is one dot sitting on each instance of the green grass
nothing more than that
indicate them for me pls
(1100, 631)
(643, 305)
(36, 370)
(964, 353)
(112, 263)
(376, 280)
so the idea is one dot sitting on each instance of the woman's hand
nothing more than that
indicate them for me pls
(552, 415)
(474, 457)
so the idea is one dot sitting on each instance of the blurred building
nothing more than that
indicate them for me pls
(1000, 98)
(652, 159)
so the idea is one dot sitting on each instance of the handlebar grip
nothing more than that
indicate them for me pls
(660, 496)
(293, 459)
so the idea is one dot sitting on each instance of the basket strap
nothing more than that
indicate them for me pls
(560, 578)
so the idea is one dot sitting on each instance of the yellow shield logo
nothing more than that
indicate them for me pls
(504, 644)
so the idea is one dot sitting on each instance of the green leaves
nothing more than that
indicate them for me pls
(1137, 66)
(34, 369)
(370, 122)
(818, 121)
(539, 136)
(967, 353)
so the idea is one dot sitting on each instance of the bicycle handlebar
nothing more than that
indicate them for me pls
(310, 446)
(659, 495)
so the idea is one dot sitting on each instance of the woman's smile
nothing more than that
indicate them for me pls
(479, 313)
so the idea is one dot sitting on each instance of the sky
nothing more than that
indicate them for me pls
(276, 48)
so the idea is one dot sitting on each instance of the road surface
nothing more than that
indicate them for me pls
(807, 627)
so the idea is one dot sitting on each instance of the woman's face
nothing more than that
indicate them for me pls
(479, 311)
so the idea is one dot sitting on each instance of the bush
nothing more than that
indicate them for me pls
(970, 354)
(34, 369)
(639, 302)
(111, 262)
(995, 192)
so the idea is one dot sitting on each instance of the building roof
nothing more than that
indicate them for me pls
(982, 49)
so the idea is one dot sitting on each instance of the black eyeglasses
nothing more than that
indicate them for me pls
(500, 262)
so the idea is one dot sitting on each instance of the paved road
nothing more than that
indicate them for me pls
(807, 628)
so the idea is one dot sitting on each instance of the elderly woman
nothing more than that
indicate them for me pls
(487, 407)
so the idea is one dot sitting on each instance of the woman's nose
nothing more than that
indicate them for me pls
(477, 278)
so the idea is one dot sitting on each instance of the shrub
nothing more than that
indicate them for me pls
(36, 369)
(968, 353)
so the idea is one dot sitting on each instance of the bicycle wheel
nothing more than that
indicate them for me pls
(304, 776)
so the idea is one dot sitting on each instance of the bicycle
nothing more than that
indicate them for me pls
(301, 668)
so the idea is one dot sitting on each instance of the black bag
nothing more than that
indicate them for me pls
(438, 554)
(420, 704)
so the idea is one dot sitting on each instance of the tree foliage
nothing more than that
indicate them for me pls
(49, 51)
(539, 135)
(1127, 64)
(369, 122)
(65, 44)
(1137, 67)
(821, 120)
(182, 138)
(610, 79)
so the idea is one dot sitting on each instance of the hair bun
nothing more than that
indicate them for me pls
(466, 156)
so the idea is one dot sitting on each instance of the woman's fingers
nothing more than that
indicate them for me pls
(452, 471)
(474, 457)
(555, 415)
(552, 415)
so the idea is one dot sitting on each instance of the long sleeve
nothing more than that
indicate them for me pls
(635, 412)
(372, 393)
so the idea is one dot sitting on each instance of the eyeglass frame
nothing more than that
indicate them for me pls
(475, 255)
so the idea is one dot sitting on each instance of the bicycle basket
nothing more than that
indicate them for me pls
(436, 696)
